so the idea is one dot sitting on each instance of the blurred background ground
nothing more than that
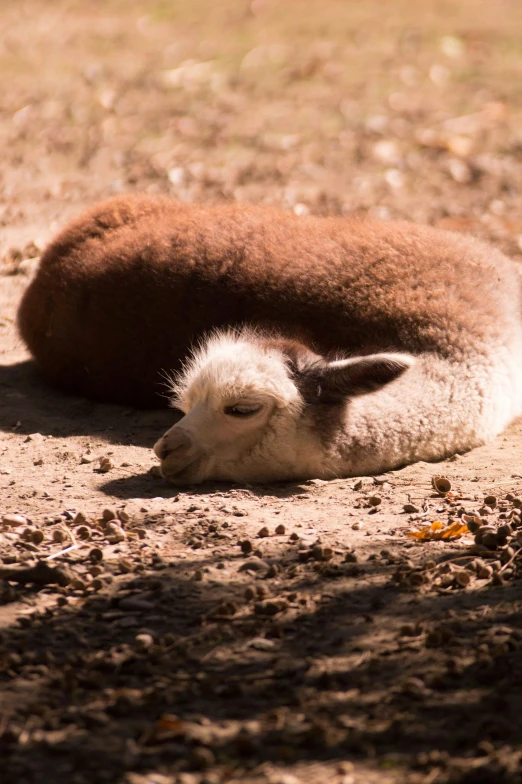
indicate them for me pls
(176, 657)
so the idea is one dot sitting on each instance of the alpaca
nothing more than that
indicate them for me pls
(327, 346)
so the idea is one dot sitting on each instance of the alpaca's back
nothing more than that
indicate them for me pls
(124, 292)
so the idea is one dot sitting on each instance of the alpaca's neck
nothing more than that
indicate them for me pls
(436, 409)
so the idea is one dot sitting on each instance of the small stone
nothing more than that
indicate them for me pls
(58, 535)
(375, 500)
(357, 525)
(321, 553)
(106, 465)
(263, 532)
(125, 566)
(294, 537)
(123, 516)
(88, 458)
(489, 540)
(96, 555)
(280, 529)
(144, 641)
(37, 536)
(115, 533)
(250, 593)
(79, 519)
(351, 558)
(490, 500)
(411, 509)
(246, 546)
(507, 554)
(83, 532)
(198, 575)
(261, 644)
(254, 564)
(108, 515)
(78, 584)
(14, 520)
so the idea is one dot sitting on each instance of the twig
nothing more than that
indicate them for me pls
(62, 552)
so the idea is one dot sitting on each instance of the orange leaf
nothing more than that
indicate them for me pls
(436, 531)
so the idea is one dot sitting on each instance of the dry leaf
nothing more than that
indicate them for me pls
(436, 531)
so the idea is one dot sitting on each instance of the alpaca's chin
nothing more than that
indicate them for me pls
(191, 474)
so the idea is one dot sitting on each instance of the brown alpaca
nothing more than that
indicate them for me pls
(125, 292)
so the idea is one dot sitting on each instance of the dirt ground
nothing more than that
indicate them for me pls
(290, 634)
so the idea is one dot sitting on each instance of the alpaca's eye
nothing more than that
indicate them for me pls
(242, 411)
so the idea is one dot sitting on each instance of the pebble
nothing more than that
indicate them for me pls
(263, 532)
(261, 644)
(375, 500)
(280, 529)
(254, 564)
(14, 520)
(411, 509)
(144, 641)
(58, 535)
(321, 553)
(246, 546)
(106, 465)
(37, 536)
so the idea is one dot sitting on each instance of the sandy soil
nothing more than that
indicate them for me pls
(290, 634)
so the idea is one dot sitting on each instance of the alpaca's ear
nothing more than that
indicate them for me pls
(333, 382)
(349, 377)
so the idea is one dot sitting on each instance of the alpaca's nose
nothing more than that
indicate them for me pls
(176, 440)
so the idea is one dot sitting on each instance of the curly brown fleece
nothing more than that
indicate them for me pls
(125, 291)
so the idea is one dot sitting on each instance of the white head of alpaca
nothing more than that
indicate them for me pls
(260, 408)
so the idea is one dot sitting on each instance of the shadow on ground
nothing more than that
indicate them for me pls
(26, 398)
(348, 667)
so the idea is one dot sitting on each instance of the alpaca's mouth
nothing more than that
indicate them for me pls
(188, 475)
